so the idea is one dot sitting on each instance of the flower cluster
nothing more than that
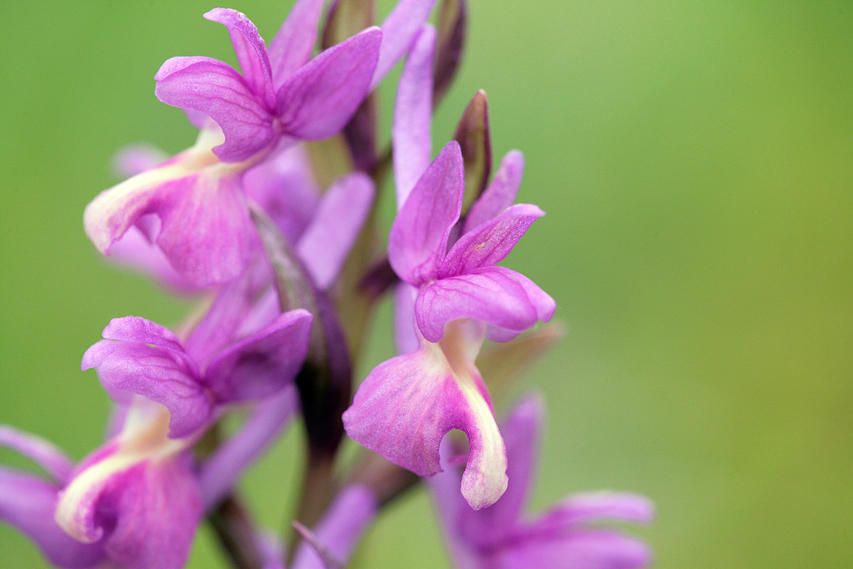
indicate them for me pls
(268, 219)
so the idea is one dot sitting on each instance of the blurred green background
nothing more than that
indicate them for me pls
(695, 159)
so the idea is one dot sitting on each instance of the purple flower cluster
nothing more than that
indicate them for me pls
(273, 231)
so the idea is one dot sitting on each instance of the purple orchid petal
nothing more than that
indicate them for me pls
(262, 364)
(419, 235)
(157, 374)
(340, 529)
(521, 433)
(318, 100)
(216, 89)
(406, 405)
(336, 225)
(204, 223)
(44, 453)
(141, 331)
(495, 295)
(582, 549)
(293, 45)
(398, 33)
(207, 233)
(489, 243)
(221, 470)
(501, 192)
(594, 507)
(27, 503)
(250, 50)
(115, 210)
(411, 134)
(144, 512)
(541, 300)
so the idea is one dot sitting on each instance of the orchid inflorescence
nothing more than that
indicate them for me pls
(269, 220)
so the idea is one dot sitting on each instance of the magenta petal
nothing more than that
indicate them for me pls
(115, 210)
(412, 116)
(28, 503)
(292, 46)
(206, 233)
(158, 510)
(594, 507)
(336, 225)
(501, 192)
(406, 405)
(216, 89)
(146, 515)
(320, 98)
(398, 32)
(419, 235)
(204, 227)
(263, 363)
(44, 453)
(541, 300)
(250, 50)
(489, 243)
(141, 331)
(494, 295)
(581, 549)
(157, 374)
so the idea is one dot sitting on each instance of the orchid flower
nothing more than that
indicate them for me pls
(192, 206)
(500, 537)
(407, 405)
(137, 500)
(139, 497)
(322, 226)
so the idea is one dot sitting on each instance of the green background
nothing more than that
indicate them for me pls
(695, 159)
